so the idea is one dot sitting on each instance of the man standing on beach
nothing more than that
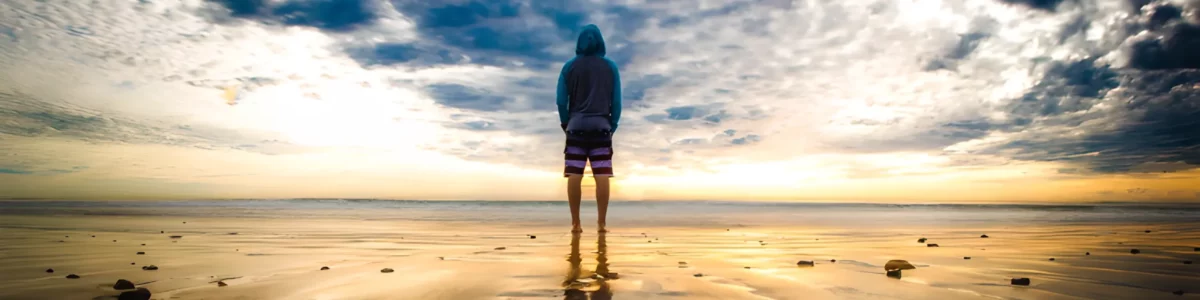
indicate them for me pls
(589, 106)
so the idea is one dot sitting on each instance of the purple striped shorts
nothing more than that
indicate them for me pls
(579, 152)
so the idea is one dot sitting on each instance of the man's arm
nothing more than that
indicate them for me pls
(616, 101)
(564, 108)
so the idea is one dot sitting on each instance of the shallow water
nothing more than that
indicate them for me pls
(446, 250)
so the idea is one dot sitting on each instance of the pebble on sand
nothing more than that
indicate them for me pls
(221, 283)
(93, 236)
(1196, 250)
(832, 260)
(921, 240)
(1087, 253)
(1178, 293)
(1187, 262)
(141, 253)
(49, 270)
(387, 270)
(698, 275)
(1147, 231)
(177, 236)
(1020, 281)
(746, 268)
(138, 294)
(132, 263)
(966, 257)
(894, 274)
(807, 263)
(114, 241)
(1135, 251)
(983, 236)
(1051, 259)
(532, 237)
(324, 268)
(897, 265)
(143, 244)
(150, 268)
(500, 248)
(72, 276)
(233, 233)
(123, 284)
(162, 231)
(931, 245)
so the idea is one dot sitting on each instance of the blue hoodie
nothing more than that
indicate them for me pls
(589, 86)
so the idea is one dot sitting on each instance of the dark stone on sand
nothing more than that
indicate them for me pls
(143, 244)
(162, 231)
(532, 237)
(324, 268)
(805, 263)
(114, 241)
(832, 260)
(177, 236)
(698, 275)
(1196, 250)
(123, 284)
(387, 270)
(1178, 293)
(500, 248)
(746, 267)
(138, 294)
(141, 253)
(1135, 251)
(1087, 253)
(894, 274)
(983, 236)
(1020, 281)
(93, 236)
(72, 276)
(1051, 259)
(1187, 262)
(150, 268)
(132, 263)
(1147, 231)
(49, 270)
(966, 257)
(921, 240)
(184, 222)
(931, 245)
(62, 241)
(233, 233)
(221, 283)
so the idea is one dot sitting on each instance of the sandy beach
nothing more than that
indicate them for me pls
(267, 253)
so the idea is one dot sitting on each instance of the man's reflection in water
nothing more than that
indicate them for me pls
(594, 285)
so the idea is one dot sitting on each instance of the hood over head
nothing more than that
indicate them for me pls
(590, 41)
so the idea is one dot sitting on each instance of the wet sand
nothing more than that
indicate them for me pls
(281, 258)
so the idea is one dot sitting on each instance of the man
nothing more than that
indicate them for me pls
(589, 106)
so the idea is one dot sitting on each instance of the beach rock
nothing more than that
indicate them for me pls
(532, 237)
(1196, 250)
(1051, 259)
(1020, 281)
(931, 245)
(49, 270)
(387, 270)
(682, 263)
(894, 274)
(324, 268)
(983, 236)
(805, 263)
(500, 248)
(93, 236)
(1087, 253)
(143, 244)
(746, 268)
(1178, 293)
(132, 264)
(150, 268)
(921, 240)
(72, 276)
(221, 284)
(698, 275)
(62, 241)
(1135, 251)
(832, 260)
(177, 236)
(123, 284)
(184, 222)
(233, 233)
(897, 264)
(1147, 231)
(966, 257)
(162, 232)
(138, 294)
(114, 241)
(141, 253)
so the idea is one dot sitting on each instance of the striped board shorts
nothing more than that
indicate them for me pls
(580, 151)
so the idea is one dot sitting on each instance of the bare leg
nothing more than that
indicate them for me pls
(574, 192)
(601, 201)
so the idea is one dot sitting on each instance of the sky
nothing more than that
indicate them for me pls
(907, 101)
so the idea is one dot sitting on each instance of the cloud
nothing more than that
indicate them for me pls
(331, 15)
(1046, 5)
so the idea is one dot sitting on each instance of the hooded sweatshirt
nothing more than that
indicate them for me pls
(589, 86)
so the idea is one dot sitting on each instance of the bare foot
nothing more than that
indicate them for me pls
(576, 229)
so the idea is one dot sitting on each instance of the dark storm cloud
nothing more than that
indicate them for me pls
(465, 97)
(1176, 49)
(1046, 5)
(331, 15)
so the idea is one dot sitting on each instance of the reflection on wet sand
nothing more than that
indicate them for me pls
(595, 285)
